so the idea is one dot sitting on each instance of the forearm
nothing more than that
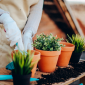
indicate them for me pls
(34, 18)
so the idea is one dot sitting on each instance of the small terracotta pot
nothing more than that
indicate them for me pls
(35, 58)
(65, 55)
(48, 60)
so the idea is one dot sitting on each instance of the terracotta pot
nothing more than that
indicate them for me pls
(48, 60)
(75, 57)
(35, 58)
(65, 55)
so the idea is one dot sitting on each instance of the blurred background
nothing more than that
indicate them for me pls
(62, 17)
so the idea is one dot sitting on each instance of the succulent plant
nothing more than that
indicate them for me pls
(78, 41)
(23, 62)
(47, 43)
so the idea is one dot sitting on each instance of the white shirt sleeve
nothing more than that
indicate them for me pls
(34, 18)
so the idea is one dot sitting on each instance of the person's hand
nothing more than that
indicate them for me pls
(27, 40)
(32, 24)
(13, 34)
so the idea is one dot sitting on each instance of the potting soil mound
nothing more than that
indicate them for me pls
(62, 74)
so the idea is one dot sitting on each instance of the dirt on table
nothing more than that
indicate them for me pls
(62, 74)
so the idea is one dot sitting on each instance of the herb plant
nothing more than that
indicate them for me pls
(47, 43)
(78, 41)
(23, 62)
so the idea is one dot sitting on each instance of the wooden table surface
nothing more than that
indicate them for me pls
(3, 71)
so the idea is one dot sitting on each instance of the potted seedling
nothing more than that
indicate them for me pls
(22, 67)
(35, 58)
(79, 43)
(50, 49)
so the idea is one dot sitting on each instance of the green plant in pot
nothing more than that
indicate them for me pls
(79, 43)
(50, 49)
(22, 67)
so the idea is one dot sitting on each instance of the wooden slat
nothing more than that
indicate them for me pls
(74, 79)
(51, 11)
(61, 11)
(65, 14)
(48, 3)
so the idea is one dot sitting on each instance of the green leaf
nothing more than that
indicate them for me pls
(47, 43)
(51, 49)
(78, 41)
(22, 62)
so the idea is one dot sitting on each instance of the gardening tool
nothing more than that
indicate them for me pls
(81, 84)
(10, 66)
(19, 48)
(8, 77)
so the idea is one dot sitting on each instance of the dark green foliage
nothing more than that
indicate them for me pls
(23, 62)
(78, 41)
(47, 43)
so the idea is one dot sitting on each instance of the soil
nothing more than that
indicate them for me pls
(62, 74)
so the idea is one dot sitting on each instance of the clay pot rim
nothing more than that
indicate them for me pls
(49, 53)
(31, 51)
(70, 46)
(37, 53)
